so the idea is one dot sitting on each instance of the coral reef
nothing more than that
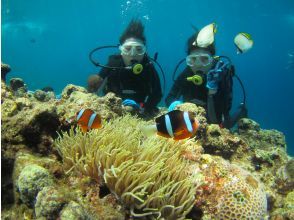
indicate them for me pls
(149, 178)
(5, 68)
(54, 171)
(31, 180)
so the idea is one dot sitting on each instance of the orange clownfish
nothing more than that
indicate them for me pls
(175, 124)
(87, 119)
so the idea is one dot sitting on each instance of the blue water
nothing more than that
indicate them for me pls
(47, 43)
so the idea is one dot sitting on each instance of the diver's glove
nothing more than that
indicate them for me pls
(173, 105)
(213, 78)
(94, 82)
(132, 103)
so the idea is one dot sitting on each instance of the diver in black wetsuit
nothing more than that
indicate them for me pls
(207, 81)
(131, 74)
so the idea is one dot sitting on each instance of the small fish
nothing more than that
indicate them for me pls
(175, 124)
(87, 119)
(205, 36)
(243, 42)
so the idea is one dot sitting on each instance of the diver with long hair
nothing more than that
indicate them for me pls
(131, 74)
(207, 81)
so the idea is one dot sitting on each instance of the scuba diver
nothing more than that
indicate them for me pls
(131, 74)
(207, 81)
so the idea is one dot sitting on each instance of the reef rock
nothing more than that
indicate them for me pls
(73, 211)
(43, 96)
(18, 86)
(31, 181)
(5, 68)
(74, 98)
(49, 203)
(219, 141)
(229, 192)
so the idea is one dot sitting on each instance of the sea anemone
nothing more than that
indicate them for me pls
(148, 175)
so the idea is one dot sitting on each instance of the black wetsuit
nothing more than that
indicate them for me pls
(143, 88)
(198, 94)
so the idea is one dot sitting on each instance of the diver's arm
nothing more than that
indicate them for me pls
(156, 92)
(96, 80)
(176, 90)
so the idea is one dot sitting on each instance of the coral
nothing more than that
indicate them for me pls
(73, 211)
(246, 124)
(5, 68)
(221, 142)
(49, 203)
(16, 83)
(242, 198)
(74, 98)
(18, 86)
(229, 192)
(31, 180)
(259, 138)
(289, 169)
(34, 127)
(287, 210)
(6, 93)
(40, 95)
(147, 175)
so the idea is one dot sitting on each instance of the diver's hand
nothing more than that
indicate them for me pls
(132, 103)
(94, 82)
(173, 105)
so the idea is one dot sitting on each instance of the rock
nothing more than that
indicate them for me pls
(31, 181)
(73, 211)
(44, 96)
(289, 169)
(40, 95)
(6, 93)
(5, 68)
(16, 83)
(245, 124)
(221, 142)
(34, 126)
(74, 98)
(69, 89)
(49, 203)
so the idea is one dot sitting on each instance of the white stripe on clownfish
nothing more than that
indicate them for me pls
(168, 125)
(91, 120)
(80, 114)
(188, 122)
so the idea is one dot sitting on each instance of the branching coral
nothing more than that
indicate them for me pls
(148, 175)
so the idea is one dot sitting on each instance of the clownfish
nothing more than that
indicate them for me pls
(175, 124)
(87, 119)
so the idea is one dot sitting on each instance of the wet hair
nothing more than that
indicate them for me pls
(191, 47)
(135, 29)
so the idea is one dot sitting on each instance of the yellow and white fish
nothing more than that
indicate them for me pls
(243, 42)
(205, 36)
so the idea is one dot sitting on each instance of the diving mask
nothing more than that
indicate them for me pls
(199, 60)
(132, 48)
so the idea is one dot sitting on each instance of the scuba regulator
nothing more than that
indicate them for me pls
(135, 67)
(214, 75)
